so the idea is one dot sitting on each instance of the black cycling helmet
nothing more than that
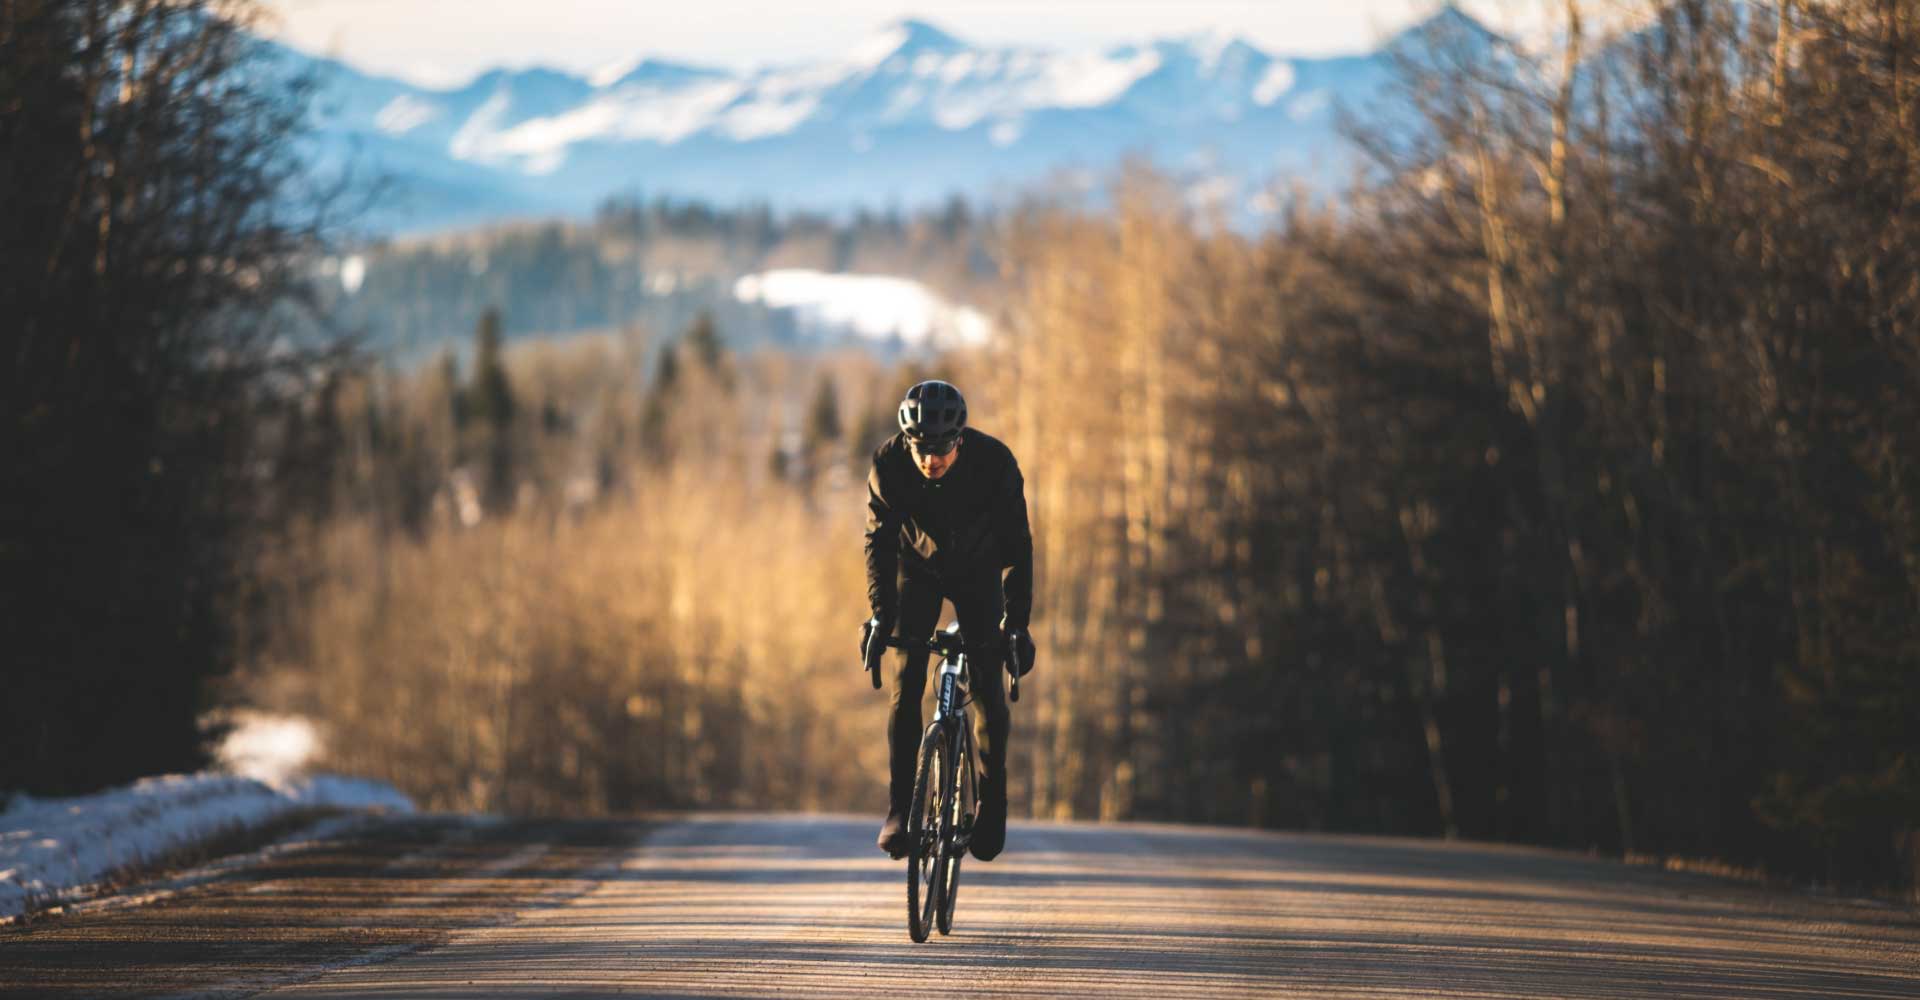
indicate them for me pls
(931, 417)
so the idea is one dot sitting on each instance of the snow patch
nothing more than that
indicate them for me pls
(477, 137)
(353, 271)
(611, 72)
(654, 113)
(1208, 48)
(542, 135)
(777, 102)
(1277, 80)
(638, 111)
(757, 121)
(1092, 79)
(903, 102)
(268, 747)
(876, 47)
(877, 307)
(957, 113)
(1077, 80)
(958, 67)
(404, 114)
(50, 849)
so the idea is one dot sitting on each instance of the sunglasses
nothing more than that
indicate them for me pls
(944, 446)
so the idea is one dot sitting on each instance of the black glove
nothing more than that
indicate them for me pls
(882, 630)
(1020, 647)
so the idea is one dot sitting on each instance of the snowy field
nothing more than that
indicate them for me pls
(874, 306)
(55, 849)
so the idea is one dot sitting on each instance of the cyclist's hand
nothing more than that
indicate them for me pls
(1020, 647)
(882, 628)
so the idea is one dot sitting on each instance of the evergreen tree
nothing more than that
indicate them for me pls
(491, 397)
(655, 413)
(490, 402)
(823, 416)
(450, 386)
(878, 424)
(666, 373)
(703, 338)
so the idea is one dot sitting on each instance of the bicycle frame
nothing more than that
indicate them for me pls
(947, 701)
(950, 713)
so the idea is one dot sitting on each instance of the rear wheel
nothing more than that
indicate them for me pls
(926, 820)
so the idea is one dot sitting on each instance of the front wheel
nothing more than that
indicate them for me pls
(925, 819)
(949, 890)
(960, 812)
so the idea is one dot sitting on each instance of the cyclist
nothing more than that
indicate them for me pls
(946, 513)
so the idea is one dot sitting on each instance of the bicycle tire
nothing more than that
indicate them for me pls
(925, 836)
(958, 809)
(950, 882)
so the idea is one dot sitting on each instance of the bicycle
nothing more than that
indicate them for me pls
(946, 791)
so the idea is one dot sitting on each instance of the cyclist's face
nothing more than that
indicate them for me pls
(935, 466)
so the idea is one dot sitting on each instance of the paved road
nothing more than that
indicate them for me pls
(732, 905)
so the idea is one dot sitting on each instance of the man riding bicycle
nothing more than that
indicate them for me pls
(946, 513)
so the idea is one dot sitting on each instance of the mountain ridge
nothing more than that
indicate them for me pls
(909, 115)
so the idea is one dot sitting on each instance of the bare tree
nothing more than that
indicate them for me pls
(151, 192)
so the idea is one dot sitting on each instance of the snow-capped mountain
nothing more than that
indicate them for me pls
(906, 117)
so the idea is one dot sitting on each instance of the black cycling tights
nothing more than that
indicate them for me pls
(978, 602)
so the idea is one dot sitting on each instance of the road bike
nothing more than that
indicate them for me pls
(946, 791)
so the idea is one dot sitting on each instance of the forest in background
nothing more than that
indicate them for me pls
(656, 263)
(1557, 488)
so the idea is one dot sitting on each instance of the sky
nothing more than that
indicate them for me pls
(419, 41)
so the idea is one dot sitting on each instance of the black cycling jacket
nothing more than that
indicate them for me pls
(969, 521)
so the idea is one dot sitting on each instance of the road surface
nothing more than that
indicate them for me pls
(728, 905)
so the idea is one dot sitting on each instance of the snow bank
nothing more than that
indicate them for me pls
(51, 847)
